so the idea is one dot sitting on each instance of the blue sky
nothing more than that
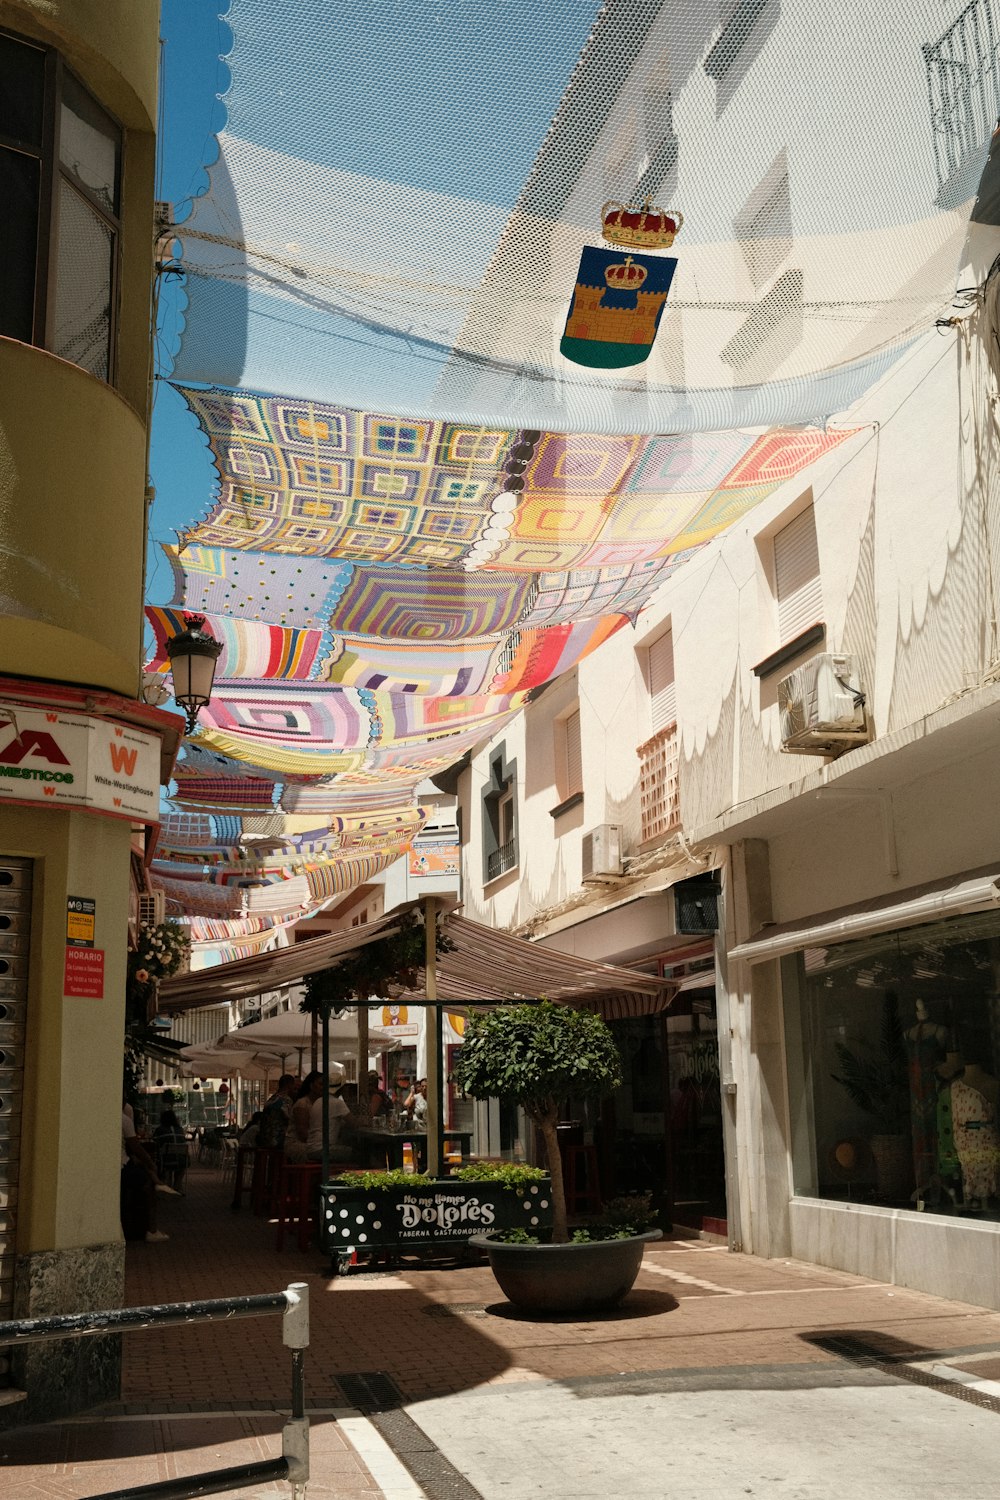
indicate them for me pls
(383, 88)
(192, 75)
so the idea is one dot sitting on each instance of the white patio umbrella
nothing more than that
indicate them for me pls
(291, 1033)
(203, 1061)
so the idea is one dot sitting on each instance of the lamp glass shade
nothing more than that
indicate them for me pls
(193, 676)
(193, 656)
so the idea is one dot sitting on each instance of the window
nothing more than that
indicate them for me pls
(894, 1050)
(572, 755)
(60, 176)
(796, 576)
(660, 676)
(500, 817)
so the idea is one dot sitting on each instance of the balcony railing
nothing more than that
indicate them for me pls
(963, 81)
(501, 860)
(659, 791)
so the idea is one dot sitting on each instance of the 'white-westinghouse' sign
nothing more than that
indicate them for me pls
(74, 760)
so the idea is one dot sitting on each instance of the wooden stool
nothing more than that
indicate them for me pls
(582, 1180)
(267, 1161)
(243, 1183)
(296, 1182)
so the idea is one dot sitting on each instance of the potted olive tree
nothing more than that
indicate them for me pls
(537, 1056)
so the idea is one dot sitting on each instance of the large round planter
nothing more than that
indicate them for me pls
(566, 1278)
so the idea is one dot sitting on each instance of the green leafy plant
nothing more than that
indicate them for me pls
(518, 1237)
(391, 962)
(395, 1178)
(590, 1234)
(875, 1077)
(633, 1211)
(506, 1174)
(537, 1056)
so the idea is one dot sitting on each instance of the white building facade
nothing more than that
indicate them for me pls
(832, 1051)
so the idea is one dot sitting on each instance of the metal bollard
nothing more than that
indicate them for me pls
(295, 1336)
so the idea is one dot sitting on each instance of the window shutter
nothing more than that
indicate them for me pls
(796, 576)
(574, 755)
(662, 697)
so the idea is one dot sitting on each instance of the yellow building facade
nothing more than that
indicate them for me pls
(81, 757)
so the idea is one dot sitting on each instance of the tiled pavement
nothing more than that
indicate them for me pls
(487, 1387)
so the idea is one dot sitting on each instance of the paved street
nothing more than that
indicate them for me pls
(722, 1376)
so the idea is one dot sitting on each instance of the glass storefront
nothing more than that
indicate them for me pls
(894, 1054)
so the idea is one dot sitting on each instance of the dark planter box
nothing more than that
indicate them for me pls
(428, 1215)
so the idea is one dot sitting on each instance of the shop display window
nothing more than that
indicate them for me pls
(894, 1058)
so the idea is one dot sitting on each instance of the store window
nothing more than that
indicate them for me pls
(60, 176)
(894, 1057)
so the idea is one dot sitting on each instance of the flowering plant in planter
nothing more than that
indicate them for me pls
(159, 952)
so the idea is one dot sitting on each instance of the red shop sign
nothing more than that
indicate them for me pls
(84, 973)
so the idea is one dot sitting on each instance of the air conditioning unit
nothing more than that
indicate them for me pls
(602, 852)
(152, 908)
(822, 706)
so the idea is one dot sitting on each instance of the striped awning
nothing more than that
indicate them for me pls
(483, 967)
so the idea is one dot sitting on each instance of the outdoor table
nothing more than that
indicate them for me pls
(378, 1148)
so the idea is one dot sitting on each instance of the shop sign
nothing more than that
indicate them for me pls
(433, 857)
(80, 917)
(84, 975)
(74, 760)
(426, 1216)
(395, 1018)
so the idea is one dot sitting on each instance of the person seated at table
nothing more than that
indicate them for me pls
(379, 1102)
(248, 1135)
(416, 1104)
(304, 1141)
(277, 1113)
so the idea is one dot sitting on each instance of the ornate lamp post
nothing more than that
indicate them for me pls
(193, 655)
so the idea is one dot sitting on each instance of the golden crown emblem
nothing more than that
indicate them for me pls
(645, 227)
(625, 275)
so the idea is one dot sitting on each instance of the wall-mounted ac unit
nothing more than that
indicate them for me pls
(822, 706)
(602, 852)
(152, 908)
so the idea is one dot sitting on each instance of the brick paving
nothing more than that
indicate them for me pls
(443, 1335)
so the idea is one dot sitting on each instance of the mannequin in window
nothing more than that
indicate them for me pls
(975, 1100)
(949, 1167)
(925, 1049)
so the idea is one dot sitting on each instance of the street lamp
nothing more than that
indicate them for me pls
(193, 655)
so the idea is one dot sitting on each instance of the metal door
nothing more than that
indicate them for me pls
(15, 924)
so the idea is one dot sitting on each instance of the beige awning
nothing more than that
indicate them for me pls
(485, 966)
(977, 890)
(245, 977)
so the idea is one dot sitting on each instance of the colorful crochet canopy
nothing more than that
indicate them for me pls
(425, 511)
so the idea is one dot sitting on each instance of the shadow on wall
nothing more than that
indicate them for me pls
(948, 646)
